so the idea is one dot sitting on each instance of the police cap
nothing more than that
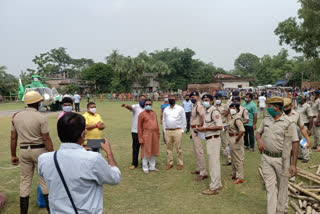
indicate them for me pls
(207, 96)
(237, 105)
(287, 101)
(217, 95)
(274, 99)
(194, 93)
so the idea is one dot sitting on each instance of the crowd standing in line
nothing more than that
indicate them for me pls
(289, 117)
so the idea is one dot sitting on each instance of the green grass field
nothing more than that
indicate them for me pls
(164, 192)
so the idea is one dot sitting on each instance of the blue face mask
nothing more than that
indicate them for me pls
(142, 103)
(67, 108)
(166, 99)
(149, 108)
(193, 101)
(206, 104)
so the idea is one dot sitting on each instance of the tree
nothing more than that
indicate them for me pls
(102, 74)
(303, 35)
(246, 64)
(8, 83)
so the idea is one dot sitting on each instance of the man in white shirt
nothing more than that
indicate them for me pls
(174, 124)
(84, 172)
(187, 106)
(136, 110)
(76, 100)
(262, 105)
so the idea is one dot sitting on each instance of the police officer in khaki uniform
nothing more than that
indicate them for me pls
(31, 127)
(279, 154)
(307, 118)
(236, 131)
(197, 120)
(316, 120)
(223, 108)
(212, 127)
(244, 114)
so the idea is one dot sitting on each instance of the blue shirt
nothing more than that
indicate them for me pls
(84, 172)
(187, 106)
(164, 105)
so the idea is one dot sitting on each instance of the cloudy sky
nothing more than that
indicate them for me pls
(218, 30)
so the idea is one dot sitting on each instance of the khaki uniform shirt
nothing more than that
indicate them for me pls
(306, 112)
(296, 117)
(196, 114)
(315, 107)
(223, 108)
(244, 113)
(274, 132)
(30, 125)
(212, 118)
(236, 124)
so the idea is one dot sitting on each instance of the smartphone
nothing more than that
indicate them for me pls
(94, 143)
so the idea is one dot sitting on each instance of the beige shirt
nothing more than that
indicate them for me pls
(315, 107)
(244, 113)
(212, 118)
(223, 108)
(236, 124)
(296, 117)
(196, 114)
(30, 125)
(306, 112)
(274, 132)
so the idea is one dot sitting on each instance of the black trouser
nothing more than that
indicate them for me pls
(188, 116)
(77, 106)
(135, 149)
(249, 134)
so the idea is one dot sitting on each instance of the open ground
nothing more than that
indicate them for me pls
(163, 192)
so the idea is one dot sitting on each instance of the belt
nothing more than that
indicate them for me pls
(194, 126)
(213, 136)
(273, 154)
(172, 129)
(307, 124)
(232, 134)
(33, 146)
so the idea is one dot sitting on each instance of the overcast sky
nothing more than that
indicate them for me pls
(217, 30)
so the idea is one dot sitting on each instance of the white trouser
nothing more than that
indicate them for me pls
(151, 161)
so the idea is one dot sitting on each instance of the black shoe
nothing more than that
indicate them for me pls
(304, 161)
(24, 205)
(46, 199)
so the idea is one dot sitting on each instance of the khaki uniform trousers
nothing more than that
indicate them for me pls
(303, 152)
(198, 152)
(225, 141)
(213, 151)
(237, 157)
(316, 134)
(29, 163)
(271, 172)
(174, 139)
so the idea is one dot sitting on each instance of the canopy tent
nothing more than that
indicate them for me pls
(282, 83)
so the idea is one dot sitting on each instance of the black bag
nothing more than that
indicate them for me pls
(63, 181)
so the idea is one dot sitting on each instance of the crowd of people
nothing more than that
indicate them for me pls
(288, 118)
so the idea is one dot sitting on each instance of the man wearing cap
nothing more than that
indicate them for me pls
(223, 108)
(236, 131)
(305, 111)
(243, 111)
(279, 150)
(316, 120)
(296, 117)
(31, 127)
(197, 120)
(212, 127)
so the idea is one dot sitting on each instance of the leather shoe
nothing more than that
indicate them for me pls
(233, 177)
(179, 167)
(201, 177)
(169, 166)
(314, 147)
(132, 167)
(304, 161)
(317, 150)
(227, 164)
(210, 192)
(238, 181)
(195, 172)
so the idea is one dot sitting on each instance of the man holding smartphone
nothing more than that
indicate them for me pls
(94, 125)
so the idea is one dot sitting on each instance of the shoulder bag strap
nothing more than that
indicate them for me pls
(63, 181)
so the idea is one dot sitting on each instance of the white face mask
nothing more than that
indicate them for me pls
(233, 111)
(93, 110)
(218, 102)
(67, 108)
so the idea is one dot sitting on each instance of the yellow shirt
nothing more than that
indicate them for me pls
(94, 133)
